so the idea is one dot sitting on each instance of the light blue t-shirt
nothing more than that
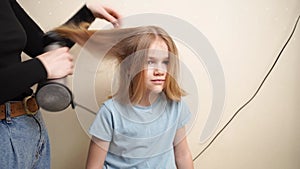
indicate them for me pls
(140, 137)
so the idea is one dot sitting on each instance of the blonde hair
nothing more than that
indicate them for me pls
(133, 42)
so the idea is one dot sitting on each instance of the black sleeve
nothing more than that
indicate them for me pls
(18, 77)
(34, 45)
(83, 15)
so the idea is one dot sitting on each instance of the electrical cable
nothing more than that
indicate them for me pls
(258, 89)
(84, 107)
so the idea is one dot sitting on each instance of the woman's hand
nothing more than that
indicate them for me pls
(58, 63)
(104, 12)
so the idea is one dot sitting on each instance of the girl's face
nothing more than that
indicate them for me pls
(157, 66)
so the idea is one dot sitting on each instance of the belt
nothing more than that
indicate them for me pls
(28, 106)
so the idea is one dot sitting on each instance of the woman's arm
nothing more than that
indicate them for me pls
(97, 153)
(183, 156)
(20, 76)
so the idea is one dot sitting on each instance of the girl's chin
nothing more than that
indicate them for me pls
(156, 91)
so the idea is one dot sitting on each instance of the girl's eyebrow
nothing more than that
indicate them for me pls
(153, 57)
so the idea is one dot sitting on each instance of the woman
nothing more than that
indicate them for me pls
(23, 136)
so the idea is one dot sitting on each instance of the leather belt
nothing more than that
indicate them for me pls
(28, 106)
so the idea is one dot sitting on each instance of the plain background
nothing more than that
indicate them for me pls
(247, 36)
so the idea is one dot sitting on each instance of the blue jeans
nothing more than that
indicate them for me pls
(24, 143)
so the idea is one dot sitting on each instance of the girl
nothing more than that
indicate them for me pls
(143, 124)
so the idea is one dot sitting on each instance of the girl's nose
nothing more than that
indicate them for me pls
(158, 72)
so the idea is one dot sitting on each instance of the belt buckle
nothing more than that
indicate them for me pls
(25, 103)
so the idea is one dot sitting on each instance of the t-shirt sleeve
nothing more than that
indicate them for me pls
(102, 126)
(184, 114)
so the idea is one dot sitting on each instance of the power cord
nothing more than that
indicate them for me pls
(83, 107)
(258, 89)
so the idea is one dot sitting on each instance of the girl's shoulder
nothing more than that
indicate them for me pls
(107, 102)
(112, 105)
(178, 104)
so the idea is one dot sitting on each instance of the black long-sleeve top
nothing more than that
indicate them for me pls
(19, 33)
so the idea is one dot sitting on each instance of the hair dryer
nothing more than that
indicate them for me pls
(53, 94)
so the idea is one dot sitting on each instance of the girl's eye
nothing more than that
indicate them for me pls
(166, 62)
(150, 62)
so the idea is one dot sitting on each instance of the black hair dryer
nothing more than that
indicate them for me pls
(54, 95)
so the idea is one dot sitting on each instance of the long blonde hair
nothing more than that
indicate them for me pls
(133, 42)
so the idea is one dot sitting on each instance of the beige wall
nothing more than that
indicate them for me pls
(247, 36)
